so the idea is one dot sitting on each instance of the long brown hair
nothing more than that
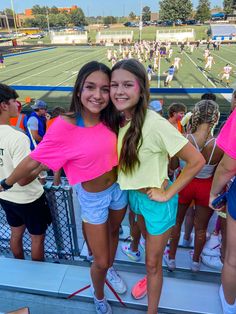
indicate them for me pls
(133, 139)
(109, 115)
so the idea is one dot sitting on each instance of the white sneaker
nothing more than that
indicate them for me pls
(142, 243)
(195, 266)
(116, 281)
(187, 243)
(227, 308)
(170, 263)
(212, 262)
(101, 306)
(212, 246)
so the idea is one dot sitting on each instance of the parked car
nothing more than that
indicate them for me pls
(35, 36)
(191, 22)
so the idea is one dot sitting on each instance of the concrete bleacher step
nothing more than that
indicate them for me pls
(182, 259)
(49, 279)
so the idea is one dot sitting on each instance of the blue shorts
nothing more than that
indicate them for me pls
(158, 216)
(231, 200)
(95, 206)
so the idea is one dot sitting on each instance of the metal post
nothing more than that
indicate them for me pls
(14, 16)
(48, 23)
(7, 22)
(140, 22)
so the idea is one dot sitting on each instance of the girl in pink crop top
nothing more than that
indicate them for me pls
(84, 144)
(205, 116)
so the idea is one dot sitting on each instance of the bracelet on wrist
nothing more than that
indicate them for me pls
(5, 185)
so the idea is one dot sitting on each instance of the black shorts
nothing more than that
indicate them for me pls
(35, 216)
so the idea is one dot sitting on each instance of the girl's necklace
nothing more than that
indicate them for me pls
(128, 119)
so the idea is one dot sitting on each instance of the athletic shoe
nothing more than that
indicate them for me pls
(116, 281)
(139, 290)
(101, 306)
(142, 243)
(195, 266)
(212, 246)
(89, 257)
(170, 263)
(187, 243)
(134, 256)
(212, 262)
(227, 308)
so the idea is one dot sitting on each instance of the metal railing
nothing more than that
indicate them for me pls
(61, 241)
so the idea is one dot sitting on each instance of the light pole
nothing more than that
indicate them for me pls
(7, 22)
(140, 21)
(14, 16)
(48, 24)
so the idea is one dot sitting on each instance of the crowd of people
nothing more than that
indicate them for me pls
(152, 52)
(119, 151)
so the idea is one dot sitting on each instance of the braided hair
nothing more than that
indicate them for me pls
(205, 111)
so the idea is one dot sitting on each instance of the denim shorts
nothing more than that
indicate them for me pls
(95, 206)
(158, 216)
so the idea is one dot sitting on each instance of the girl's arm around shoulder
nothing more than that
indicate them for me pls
(194, 163)
(26, 171)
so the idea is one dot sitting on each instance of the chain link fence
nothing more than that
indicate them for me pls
(61, 241)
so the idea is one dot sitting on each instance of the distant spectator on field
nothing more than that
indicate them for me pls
(36, 124)
(2, 65)
(176, 112)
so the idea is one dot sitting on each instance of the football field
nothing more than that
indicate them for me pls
(58, 67)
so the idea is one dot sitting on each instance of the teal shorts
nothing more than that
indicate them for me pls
(158, 216)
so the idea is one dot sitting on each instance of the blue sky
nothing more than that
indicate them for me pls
(93, 7)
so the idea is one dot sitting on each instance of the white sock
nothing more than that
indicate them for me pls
(227, 308)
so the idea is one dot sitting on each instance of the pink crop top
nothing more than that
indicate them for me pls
(85, 153)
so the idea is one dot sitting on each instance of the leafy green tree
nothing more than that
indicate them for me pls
(203, 12)
(57, 20)
(36, 9)
(54, 10)
(228, 6)
(109, 20)
(175, 9)
(132, 15)
(146, 13)
(76, 17)
(8, 11)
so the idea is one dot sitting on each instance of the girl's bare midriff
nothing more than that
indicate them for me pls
(101, 183)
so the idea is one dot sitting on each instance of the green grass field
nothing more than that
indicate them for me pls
(59, 67)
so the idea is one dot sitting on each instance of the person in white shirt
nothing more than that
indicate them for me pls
(25, 206)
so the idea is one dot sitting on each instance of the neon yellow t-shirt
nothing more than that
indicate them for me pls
(160, 140)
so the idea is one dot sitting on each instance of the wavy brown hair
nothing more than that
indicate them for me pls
(109, 115)
(133, 139)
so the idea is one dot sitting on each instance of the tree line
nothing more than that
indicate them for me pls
(169, 10)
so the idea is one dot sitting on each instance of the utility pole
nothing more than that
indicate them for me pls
(141, 21)
(48, 23)
(7, 22)
(14, 16)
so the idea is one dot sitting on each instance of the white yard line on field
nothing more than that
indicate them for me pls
(74, 74)
(30, 64)
(209, 80)
(227, 61)
(49, 69)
